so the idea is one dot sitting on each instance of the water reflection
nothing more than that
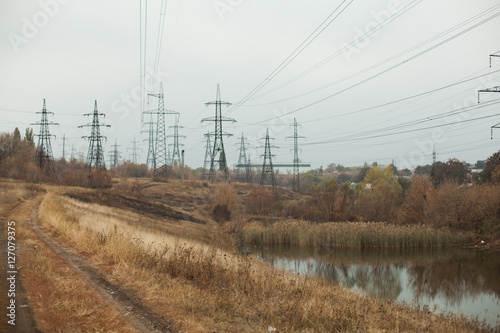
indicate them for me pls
(455, 280)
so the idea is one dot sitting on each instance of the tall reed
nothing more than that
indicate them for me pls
(356, 235)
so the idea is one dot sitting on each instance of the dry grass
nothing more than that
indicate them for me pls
(207, 290)
(61, 300)
(353, 235)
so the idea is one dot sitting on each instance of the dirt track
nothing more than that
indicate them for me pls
(140, 317)
(24, 313)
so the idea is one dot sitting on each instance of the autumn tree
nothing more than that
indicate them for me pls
(491, 171)
(379, 195)
(453, 170)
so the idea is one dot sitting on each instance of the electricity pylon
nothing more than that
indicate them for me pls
(296, 160)
(43, 152)
(208, 155)
(114, 156)
(218, 153)
(242, 160)
(160, 151)
(267, 165)
(134, 150)
(150, 161)
(176, 155)
(95, 155)
(494, 89)
(434, 155)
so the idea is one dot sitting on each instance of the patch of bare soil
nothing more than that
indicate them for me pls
(141, 206)
(139, 316)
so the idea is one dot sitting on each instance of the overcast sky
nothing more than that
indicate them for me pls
(352, 86)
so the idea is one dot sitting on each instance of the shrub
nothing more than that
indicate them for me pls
(224, 202)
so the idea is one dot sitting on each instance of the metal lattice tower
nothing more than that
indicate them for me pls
(95, 154)
(64, 146)
(218, 153)
(494, 89)
(208, 155)
(296, 160)
(150, 161)
(114, 155)
(43, 152)
(134, 149)
(160, 151)
(267, 165)
(176, 155)
(434, 155)
(242, 160)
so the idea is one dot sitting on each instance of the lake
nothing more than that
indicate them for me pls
(456, 280)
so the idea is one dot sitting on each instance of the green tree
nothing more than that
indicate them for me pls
(29, 137)
(453, 170)
(379, 195)
(423, 170)
(491, 166)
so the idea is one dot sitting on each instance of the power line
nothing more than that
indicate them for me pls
(333, 56)
(293, 55)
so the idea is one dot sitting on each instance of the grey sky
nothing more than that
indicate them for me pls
(86, 50)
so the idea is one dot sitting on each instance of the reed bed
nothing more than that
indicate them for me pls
(353, 235)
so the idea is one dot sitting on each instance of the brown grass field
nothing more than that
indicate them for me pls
(160, 251)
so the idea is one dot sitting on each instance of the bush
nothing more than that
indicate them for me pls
(224, 202)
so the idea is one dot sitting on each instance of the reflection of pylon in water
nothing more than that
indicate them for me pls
(218, 153)
(208, 156)
(267, 166)
(95, 155)
(242, 160)
(44, 157)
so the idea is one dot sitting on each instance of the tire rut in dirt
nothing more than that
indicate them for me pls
(139, 316)
(25, 321)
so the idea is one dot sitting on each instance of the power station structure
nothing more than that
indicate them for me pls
(43, 153)
(176, 155)
(160, 150)
(267, 165)
(95, 154)
(218, 153)
(296, 160)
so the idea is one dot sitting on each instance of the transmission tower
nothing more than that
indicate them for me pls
(134, 149)
(434, 156)
(114, 155)
(176, 155)
(267, 166)
(43, 152)
(296, 160)
(160, 151)
(242, 160)
(64, 146)
(494, 89)
(150, 161)
(95, 155)
(73, 150)
(208, 155)
(218, 153)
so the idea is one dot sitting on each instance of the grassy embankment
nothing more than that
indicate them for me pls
(60, 299)
(205, 289)
(355, 235)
